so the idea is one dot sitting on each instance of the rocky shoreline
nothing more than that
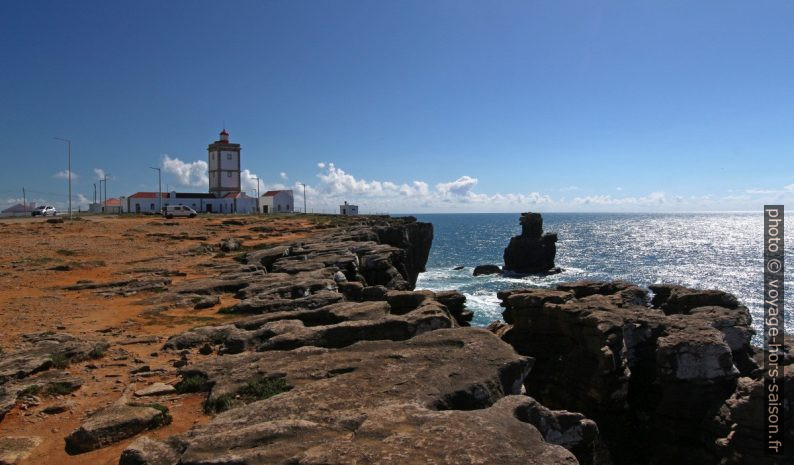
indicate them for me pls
(335, 358)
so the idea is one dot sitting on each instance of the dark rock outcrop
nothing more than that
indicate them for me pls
(652, 375)
(532, 251)
(739, 424)
(114, 423)
(486, 269)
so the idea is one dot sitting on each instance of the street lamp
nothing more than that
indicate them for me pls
(68, 169)
(159, 187)
(257, 195)
(304, 198)
(105, 205)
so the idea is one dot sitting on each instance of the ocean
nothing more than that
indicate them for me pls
(701, 250)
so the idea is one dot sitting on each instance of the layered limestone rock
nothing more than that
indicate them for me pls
(343, 362)
(532, 251)
(36, 368)
(652, 374)
(445, 396)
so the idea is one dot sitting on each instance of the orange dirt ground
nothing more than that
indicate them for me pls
(98, 248)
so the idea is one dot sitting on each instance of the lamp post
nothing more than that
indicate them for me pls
(159, 188)
(102, 210)
(257, 195)
(304, 198)
(105, 204)
(68, 169)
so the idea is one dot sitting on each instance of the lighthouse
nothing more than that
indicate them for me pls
(224, 166)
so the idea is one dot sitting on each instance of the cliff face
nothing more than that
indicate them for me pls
(344, 363)
(667, 382)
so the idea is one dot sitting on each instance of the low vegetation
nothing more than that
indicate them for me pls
(259, 388)
(193, 382)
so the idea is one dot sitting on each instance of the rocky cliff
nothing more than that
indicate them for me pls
(673, 380)
(337, 360)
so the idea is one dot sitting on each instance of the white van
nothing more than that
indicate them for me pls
(179, 210)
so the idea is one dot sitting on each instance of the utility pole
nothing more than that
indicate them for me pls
(100, 194)
(105, 203)
(304, 198)
(257, 196)
(94, 193)
(24, 200)
(68, 169)
(159, 187)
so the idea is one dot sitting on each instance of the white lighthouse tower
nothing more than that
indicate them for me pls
(224, 166)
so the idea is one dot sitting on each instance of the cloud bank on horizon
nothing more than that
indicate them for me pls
(335, 185)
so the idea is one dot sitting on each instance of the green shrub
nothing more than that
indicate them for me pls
(219, 338)
(60, 360)
(32, 390)
(258, 388)
(219, 404)
(193, 382)
(58, 389)
(99, 349)
(163, 419)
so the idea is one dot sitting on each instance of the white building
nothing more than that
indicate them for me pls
(224, 194)
(347, 209)
(146, 202)
(278, 202)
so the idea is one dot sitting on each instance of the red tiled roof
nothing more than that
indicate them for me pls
(146, 195)
(272, 193)
(113, 203)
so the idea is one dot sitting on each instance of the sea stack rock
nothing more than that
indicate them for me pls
(532, 251)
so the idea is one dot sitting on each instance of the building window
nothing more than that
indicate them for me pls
(212, 155)
(229, 174)
(152, 207)
(229, 156)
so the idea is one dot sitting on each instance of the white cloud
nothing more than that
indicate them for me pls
(761, 191)
(100, 173)
(569, 188)
(460, 186)
(283, 175)
(188, 174)
(789, 188)
(654, 198)
(248, 180)
(618, 188)
(64, 175)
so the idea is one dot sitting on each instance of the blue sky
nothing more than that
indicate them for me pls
(409, 106)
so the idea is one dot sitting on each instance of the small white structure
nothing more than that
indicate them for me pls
(347, 209)
(278, 202)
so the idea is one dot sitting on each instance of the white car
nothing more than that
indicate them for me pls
(179, 210)
(44, 210)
